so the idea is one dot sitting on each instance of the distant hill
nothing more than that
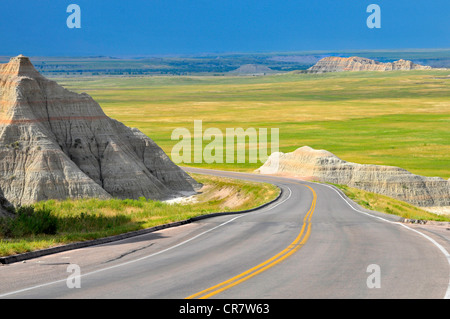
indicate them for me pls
(252, 69)
(338, 64)
(217, 64)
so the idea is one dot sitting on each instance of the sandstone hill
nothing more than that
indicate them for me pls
(337, 64)
(391, 181)
(57, 144)
(252, 69)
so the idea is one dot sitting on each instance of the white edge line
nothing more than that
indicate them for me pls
(439, 246)
(148, 256)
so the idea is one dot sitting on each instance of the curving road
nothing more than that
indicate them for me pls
(311, 243)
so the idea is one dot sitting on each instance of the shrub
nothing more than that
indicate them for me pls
(29, 221)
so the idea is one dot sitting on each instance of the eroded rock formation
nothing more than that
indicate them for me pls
(337, 64)
(57, 144)
(391, 181)
(5, 206)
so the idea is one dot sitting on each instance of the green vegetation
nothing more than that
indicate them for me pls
(384, 204)
(50, 223)
(398, 118)
(389, 118)
(217, 64)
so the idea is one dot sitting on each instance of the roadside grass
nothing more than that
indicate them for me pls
(86, 219)
(384, 204)
(398, 118)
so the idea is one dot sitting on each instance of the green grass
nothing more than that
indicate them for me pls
(79, 220)
(399, 118)
(391, 118)
(384, 204)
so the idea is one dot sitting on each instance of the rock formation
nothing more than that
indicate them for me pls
(5, 206)
(337, 64)
(57, 144)
(252, 69)
(391, 181)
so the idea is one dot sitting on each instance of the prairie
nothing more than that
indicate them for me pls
(399, 118)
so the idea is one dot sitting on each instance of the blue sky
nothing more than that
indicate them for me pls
(160, 27)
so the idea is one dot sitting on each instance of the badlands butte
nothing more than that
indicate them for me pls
(57, 144)
(395, 182)
(338, 64)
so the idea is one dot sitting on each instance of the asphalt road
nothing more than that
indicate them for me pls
(311, 243)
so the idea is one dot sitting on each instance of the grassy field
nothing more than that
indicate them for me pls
(399, 118)
(51, 223)
(384, 204)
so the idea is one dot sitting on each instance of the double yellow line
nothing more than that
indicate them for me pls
(299, 241)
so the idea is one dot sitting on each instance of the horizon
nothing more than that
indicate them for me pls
(209, 54)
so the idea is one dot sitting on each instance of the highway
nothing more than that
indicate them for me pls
(310, 243)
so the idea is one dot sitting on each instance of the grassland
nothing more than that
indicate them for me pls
(79, 220)
(391, 118)
(399, 118)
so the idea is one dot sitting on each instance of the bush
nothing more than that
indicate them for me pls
(29, 221)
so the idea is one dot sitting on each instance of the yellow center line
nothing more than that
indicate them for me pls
(285, 253)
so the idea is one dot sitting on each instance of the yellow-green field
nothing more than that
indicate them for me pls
(399, 118)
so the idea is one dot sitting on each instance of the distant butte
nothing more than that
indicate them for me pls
(395, 182)
(338, 64)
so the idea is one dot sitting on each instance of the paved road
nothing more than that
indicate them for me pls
(310, 243)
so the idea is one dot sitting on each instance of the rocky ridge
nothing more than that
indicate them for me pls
(57, 144)
(395, 182)
(338, 64)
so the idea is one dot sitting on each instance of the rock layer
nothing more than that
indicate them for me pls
(391, 181)
(338, 64)
(57, 144)
(5, 206)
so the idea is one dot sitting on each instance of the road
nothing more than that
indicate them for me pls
(310, 243)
